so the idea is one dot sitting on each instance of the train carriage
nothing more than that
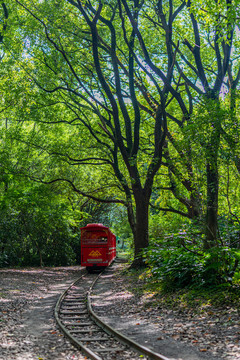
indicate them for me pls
(98, 246)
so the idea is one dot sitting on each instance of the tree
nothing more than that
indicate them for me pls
(103, 76)
(99, 69)
(206, 54)
(218, 42)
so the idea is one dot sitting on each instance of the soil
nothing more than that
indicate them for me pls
(27, 327)
(28, 330)
(211, 334)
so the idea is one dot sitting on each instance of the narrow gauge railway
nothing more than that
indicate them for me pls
(86, 330)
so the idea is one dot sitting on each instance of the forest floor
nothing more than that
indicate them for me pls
(176, 329)
(28, 330)
(27, 326)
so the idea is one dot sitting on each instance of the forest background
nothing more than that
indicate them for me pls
(124, 113)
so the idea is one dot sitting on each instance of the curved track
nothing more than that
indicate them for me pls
(96, 339)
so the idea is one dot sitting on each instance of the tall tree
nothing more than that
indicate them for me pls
(92, 54)
(206, 52)
(115, 71)
(216, 40)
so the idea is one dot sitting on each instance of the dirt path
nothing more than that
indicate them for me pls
(214, 335)
(28, 330)
(27, 327)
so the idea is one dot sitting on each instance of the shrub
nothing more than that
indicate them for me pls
(177, 268)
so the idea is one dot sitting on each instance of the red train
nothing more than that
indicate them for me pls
(98, 246)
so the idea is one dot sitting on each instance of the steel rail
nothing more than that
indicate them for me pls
(131, 344)
(122, 338)
(73, 340)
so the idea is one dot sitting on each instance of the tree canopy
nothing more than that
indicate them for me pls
(126, 102)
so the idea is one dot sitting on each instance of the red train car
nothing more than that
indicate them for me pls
(98, 246)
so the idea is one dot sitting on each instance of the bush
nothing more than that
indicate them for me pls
(177, 268)
(33, 237)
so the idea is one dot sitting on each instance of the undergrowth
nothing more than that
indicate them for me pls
(194, 300)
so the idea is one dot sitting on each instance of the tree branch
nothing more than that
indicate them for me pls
(5, 12)
(106, 201)
(170, 210)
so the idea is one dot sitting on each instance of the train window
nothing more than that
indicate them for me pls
(102, 239)
(94, 238)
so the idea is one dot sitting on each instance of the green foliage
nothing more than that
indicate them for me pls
(177, 258)
(121, 228)
(29, 239)
(96, 120)
(194, 300)
(37, 227)
(229, 231)
(177, 268)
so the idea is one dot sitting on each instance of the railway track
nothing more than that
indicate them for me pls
(96, 339)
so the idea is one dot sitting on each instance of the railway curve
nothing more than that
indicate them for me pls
(96, 339)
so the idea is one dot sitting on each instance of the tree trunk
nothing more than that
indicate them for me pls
(212, 183)
(212, 206)
(195, 206)
(141, 239)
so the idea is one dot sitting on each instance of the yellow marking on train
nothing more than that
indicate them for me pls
(95, 253)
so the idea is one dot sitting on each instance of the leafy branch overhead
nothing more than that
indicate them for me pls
(137, 98)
